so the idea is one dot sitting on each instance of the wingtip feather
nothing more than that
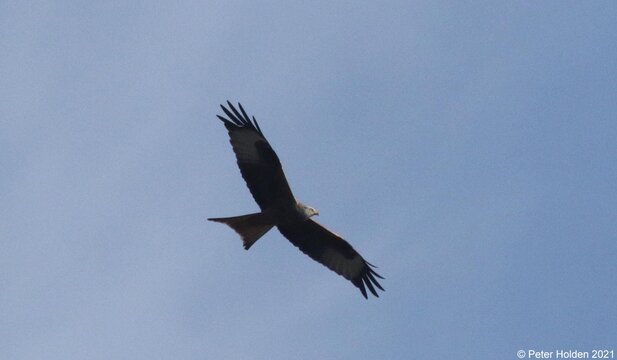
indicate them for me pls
(374, 281)
(363, 291)
(239, 119)
(370, 286)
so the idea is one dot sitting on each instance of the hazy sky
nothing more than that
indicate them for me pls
(468, 149)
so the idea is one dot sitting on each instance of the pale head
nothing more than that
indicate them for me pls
(307, 211)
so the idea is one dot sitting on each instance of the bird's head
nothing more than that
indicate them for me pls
(308, 211)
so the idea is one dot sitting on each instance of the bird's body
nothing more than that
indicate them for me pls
(264, 176)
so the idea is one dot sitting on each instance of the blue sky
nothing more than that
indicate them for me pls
(468, 149)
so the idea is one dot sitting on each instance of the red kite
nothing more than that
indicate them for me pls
(262, 171)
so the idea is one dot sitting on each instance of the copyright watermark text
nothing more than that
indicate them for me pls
(565, 354)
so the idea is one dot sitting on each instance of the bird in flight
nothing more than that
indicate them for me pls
(262, 171)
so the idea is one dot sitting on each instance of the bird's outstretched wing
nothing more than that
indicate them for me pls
(259, 164)
(331, 250)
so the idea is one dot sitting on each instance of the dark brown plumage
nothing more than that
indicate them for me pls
(264, 176)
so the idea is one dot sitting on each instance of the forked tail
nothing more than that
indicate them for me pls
(250, 227)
